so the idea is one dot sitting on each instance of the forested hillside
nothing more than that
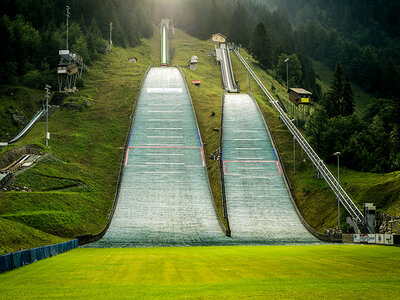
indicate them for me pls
(34, 30)
(362, 36)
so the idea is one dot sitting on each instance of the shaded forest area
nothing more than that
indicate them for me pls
(34, 31)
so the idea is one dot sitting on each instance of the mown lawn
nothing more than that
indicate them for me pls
(286, 272)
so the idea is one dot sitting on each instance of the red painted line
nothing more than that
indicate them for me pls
(250, 161)
(223, 166)
(126, 157)
(202, 157)
(279, 168)
(163, 147)
(234, 174)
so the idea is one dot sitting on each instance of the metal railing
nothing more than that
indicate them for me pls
(227, 73)
(343, 197)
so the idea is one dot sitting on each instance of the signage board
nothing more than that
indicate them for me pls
(388, 239)
(305, 100)
(371, 238)
(380, 238)
(164, 90)
(356, 238)
(63, 52)
(363, 238)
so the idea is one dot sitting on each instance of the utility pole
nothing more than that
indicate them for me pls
(68, 15)
(248, 77)
(47, 88)
(337, 154)
(287, 78)
(111, 28)
(294, 151)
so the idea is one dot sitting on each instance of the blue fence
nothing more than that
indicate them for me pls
(18, 259)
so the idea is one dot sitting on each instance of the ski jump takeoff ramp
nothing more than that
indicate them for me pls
(259, 206)
(164, 198)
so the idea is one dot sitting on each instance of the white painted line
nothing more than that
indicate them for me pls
(164, 172)
(249, 168)
(245, 131)
(161, 163)
(164, 154)
(164, 111)
(165, 90)
(246, 139)
(164, 137)
(255, 177)
(163, 104)
(248, 148)
(164, 128)
(158, 120)
(194, 166)
(249, 158)
(178, 145)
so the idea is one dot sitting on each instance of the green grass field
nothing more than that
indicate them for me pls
(286, 272)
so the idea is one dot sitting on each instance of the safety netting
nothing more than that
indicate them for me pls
(259, 206)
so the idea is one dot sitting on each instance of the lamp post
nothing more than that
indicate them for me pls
(287, 77)
(47, 88)
(111, 28)
(337, 154)
(294, 151)
(68, 15)
(248, 77)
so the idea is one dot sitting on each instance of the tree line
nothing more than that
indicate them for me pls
(34, 31)
(370, 143)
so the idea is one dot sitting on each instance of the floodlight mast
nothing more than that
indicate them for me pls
(47, 88)
(68, 15)
(111, 28)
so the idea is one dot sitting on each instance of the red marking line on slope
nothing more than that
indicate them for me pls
(126, 156)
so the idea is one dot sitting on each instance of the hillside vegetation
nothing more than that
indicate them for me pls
(316, 201)
(73, 187)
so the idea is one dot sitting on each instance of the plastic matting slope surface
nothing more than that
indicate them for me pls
(259, 206)
(164, 198)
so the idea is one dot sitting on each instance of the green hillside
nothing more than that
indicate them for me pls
(72, 188)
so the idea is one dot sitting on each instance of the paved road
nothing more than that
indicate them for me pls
(259, 206)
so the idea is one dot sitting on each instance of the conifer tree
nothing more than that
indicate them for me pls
(332, 101)
(260, 46)
(348, 99)
(239, 26)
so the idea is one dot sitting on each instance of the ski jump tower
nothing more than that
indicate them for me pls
(69, 70)
(167, 33)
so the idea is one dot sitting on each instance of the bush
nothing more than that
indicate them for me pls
(33, 79)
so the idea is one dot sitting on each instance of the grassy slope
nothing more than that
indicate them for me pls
(72, 194)
(26, 101)
(339, 272)
(316, 201)
(206, 99)
(362, 98)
